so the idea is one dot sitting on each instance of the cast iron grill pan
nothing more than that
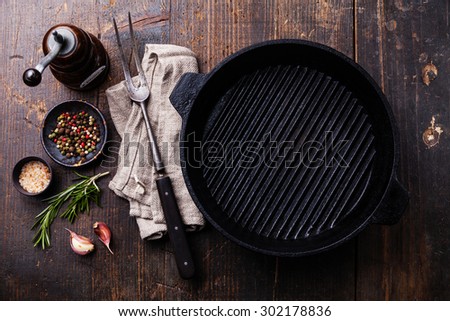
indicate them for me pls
(297, 147)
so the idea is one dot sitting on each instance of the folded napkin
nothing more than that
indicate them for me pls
(135, 178)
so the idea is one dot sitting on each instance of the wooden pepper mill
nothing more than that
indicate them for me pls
(76, 58)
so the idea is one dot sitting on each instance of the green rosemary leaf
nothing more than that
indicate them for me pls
(78, 195)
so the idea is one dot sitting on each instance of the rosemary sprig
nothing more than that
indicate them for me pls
(79, 195)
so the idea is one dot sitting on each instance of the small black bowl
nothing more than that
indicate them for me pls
(50, 122)
(18, 169)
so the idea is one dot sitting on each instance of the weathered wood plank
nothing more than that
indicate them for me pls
(138, 268)
(395, 40)
(31, 273)
(214, 30)
(331, 275)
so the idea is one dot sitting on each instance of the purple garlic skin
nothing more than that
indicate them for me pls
(104, 234)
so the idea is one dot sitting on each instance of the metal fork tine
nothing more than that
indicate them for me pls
(135, 52)
(126, 69)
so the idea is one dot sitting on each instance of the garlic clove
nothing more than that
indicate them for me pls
(81, 245)
(104, 233)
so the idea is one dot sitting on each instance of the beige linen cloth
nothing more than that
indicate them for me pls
(135, 178)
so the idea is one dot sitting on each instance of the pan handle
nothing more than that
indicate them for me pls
(185, 91)
(392, 205)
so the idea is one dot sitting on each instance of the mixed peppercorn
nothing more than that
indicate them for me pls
(76, 134)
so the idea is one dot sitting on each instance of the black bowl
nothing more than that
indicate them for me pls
(50, 122)
(18, 168)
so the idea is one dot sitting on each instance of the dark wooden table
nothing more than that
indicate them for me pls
(392, 39)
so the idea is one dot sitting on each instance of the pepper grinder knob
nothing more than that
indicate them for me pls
(33, 76)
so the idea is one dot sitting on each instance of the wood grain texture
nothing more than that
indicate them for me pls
(395, 40)
(392, 39)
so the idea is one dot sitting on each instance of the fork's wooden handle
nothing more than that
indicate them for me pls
(175, 228)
